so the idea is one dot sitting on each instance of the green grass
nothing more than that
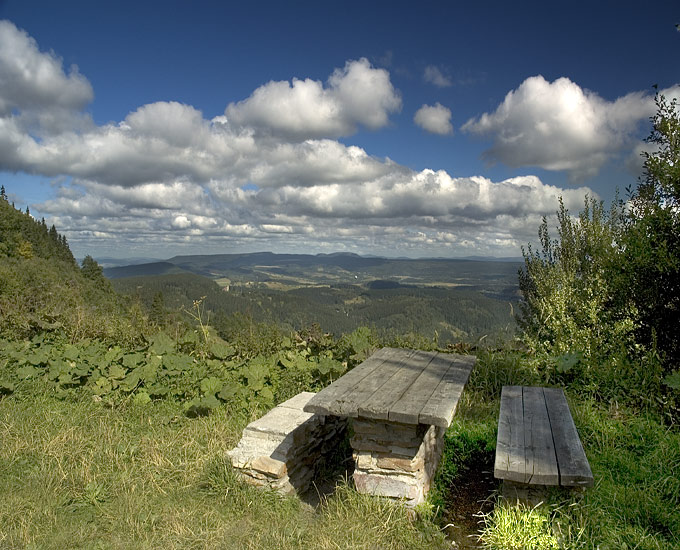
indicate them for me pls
(513, 527)
(635, 459)
(635, 503)
(76, 474)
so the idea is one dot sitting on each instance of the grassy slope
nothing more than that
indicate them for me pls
(75, 474)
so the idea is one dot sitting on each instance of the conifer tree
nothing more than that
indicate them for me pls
(157, 314)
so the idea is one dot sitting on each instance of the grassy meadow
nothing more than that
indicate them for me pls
(79, 472)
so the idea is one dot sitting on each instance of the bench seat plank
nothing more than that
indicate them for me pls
(510, 460)
(573, 464)
(541, 462)
(537, 442)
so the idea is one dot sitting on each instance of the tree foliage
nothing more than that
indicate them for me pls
(23, 236)
(604, 296)
(42, 289)
(568, 285)
(651, 244)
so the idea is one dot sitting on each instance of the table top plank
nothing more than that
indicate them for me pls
(398, 385)
(510, 461)
(327, 400)
(541, 463)
(571, 458)
(377, 406)
(442, 404)
(348, 403)
(407, 408)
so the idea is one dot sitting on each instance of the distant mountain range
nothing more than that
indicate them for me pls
(490, 275)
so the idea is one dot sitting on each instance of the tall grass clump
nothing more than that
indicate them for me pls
(517, 527)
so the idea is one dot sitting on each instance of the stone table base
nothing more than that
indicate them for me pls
(395, 460)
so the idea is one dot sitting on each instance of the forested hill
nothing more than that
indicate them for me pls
(42, 288)
(21, 236)
(449, 315)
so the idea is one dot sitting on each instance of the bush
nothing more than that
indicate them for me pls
(568, 287)
(602, 301)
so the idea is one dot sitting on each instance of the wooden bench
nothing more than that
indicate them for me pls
(538, 444)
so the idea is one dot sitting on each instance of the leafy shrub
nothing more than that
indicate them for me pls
(568, 287)
(201, 374)
(602, 301)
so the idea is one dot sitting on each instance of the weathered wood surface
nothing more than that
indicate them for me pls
(442, 404)
(411, 387)
(571, 458)
(537, 440)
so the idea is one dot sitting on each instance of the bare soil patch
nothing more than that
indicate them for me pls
(469, 497)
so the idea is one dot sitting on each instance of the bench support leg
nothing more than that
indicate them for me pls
(521, 493)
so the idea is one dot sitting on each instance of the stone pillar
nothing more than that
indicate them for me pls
(285, 449)
(395, 460)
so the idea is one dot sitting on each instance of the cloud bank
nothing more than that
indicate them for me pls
(268, 174)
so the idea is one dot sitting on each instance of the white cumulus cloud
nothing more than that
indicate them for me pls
(435, 119)
(31, 78)
(36, 94)
(357, 94)
(560, 126)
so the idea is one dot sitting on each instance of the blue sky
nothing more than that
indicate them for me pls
(393, 128)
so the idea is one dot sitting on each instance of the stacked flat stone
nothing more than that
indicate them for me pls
(395, 460)
(285, 448)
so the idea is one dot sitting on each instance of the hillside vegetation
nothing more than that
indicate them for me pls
(441, 315)
(43, 289)
(116, 412)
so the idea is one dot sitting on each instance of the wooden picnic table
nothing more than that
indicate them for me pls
(399, 385)
(399, 403)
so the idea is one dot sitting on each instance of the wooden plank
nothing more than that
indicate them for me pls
(378, 405)
(510, 460)
(541, 464)
(407, 408)
(326, 401)
(348, 404)
(571, 458)
(442, 404)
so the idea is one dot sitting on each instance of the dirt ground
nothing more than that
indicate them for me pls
(469, 497)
